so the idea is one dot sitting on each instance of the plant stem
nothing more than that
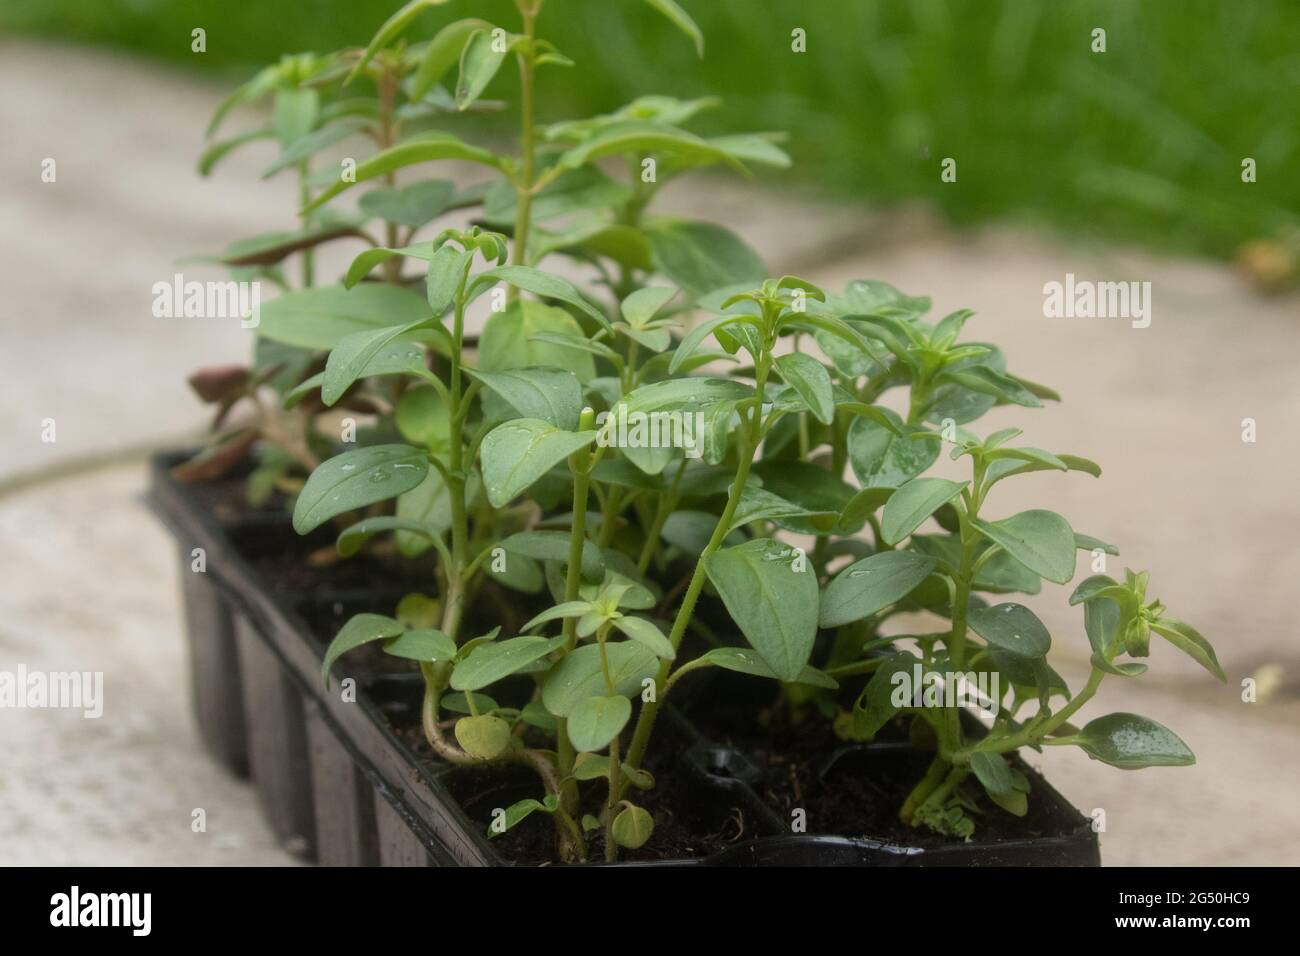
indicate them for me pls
(667, 502)
(581, 472)
(857, 667)
(1036, 728)
(941, 793)
(609, 516)
(957, 638)
(933, 776)
(387, 136)
(455, 479)
(527, 165)
(436, 677)
(746, 449)
(615, 769)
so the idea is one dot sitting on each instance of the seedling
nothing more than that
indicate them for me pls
(534, 460)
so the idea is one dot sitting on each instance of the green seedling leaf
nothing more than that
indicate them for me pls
(424, 644)
(389, 31)
(875, 582)
(876, 705)
(321, 317)
(480, 60)
(1131, 742)
(355, 479)
(1040, 540)
(860, 506)
(294, 113)
(1188, 640)
(694, 339)
(535, 715)
(560, 611)
(744, 661)
(914, 502)
(759, 149)
(1036, 456)
(419, 612)
(1009, 467)
(885, 458)
(410, 153)
(366, 261)
(552, 395)
(353, 354)
(586, 189)
(1011, 628)
(262, 83)
(771, 593)
(647, 635)
(700, 257)
(415, 205)
(683, 393)
(458, 703)
(442, 53)
(982, 379)
(569, 340)
(813, 488)
(486, 737)
(518, 453)
(643, 305)
(539, 283)
(640, 138)
(758, 504)
(992, 771)
(218, 151)
(488, 663)
(1101, 622)
(809, 378)
(429, 504)
(1086, 542)
(360, 629)
(308, 145)
(594, 722)
(516, 813)
(510, 340)
(949, 327)
(682, 21)
(632, 827)
(351, 540)
(421, 417)
(589, 766)
(579, 675)
(554, 546)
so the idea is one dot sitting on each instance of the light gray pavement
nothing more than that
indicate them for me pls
(90, 584)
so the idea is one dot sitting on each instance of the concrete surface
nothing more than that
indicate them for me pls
(89, 583)
(91, 586)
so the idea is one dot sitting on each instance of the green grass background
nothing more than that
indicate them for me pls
(1143, 142)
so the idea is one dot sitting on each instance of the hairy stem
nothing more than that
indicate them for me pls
(524, 188)
(453, 609)
(921, 792)
(747, 447)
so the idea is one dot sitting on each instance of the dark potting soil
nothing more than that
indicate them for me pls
(681, 830)
(311, 565)
(227, 500)
(845, 789)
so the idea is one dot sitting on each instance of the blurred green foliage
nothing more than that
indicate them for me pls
(1144, 141)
